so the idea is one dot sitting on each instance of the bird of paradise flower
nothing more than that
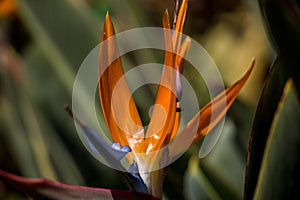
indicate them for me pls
(128, 138)
(135, 139)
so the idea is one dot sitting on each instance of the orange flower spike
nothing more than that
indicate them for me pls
(178, 49)
(228, 96)
(114, 109)
(179, 61)
(175, 127)
(165, 103)
(181, 16)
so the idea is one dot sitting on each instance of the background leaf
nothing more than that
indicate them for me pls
(266, 108)
(278, 15)
(279, 175)
(220, 174)
(284, 15)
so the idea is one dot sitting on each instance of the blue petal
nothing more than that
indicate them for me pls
(133, 168)
(125, 148)
(116, 145)
(111, 153)
(108, 152)
(134, 179)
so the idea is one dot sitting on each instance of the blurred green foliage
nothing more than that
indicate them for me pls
(274, 117)
(43, 45)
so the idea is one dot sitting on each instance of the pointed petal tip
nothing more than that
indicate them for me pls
(166, 12)
(184, 4)
(252, 63)
(107, 18)
(250, 68)
(229, 95)
(166, 20)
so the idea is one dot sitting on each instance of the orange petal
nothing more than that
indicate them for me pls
(118, 107)
(181, 16)
(179, 61)
(165, 97)
(227, 97)
(202, 123)
(163, 115)
(176, 124)
(179, 26)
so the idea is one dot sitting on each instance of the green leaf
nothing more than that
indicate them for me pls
(224, 166)
(196, 184)
(267, 106)
(279, 175)
(61, 32)
(220, 174)
(68, 155)
(15, 137)
(173, 184)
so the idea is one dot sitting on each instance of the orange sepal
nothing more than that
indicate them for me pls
(119, 111)
(179, 26)
(160, 127)
(227, 97)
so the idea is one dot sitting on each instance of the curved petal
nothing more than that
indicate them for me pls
(179, 62)
(175, 128)
(228, 96)
(163, 115)
(120, 112)
(183, 48)
(112, 154)
(166, 97)
(203, 122)
(176, 39)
